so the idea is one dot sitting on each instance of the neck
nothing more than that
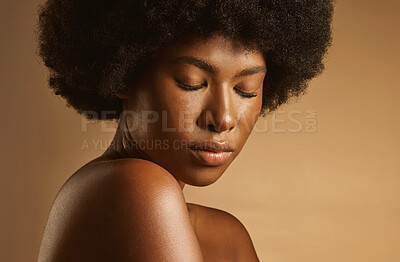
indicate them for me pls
(120, 148)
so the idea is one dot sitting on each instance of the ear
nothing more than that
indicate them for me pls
(122, 95)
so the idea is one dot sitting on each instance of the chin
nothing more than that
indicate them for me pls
(204, 177)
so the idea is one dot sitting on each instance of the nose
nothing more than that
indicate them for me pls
(219, 113)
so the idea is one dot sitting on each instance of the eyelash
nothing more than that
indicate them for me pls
(193, 88)
(246, 95)
(188, 87)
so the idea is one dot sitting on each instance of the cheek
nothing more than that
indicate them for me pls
(248, 115)
(179, 108)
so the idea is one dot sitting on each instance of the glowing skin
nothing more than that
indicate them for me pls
(163, 115)
(119, 207)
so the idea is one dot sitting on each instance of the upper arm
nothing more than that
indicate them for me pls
(136, 214)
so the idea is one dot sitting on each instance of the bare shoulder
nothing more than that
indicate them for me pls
(120, 210)
(218, 228)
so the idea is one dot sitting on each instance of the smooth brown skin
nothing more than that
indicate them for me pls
(128, 204)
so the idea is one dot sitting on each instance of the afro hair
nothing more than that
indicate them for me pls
(96, 48)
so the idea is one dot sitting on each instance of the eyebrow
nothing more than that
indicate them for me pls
(212, 69)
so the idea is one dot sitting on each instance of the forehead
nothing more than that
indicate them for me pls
(217, 50)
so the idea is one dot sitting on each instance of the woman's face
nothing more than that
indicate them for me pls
(170, 123)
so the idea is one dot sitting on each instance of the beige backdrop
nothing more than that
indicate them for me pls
(318, 181)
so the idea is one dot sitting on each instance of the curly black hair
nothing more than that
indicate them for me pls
(96, 48)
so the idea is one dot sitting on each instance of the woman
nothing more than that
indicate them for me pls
(186, 81)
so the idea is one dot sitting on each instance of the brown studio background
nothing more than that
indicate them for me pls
(328, 195)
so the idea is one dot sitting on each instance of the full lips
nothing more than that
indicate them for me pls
(210, 158)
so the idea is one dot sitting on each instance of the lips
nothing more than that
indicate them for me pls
(211, 153)
(209, 145)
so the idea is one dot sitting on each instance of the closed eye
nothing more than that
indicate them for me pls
(189, 87)
(245, 94)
